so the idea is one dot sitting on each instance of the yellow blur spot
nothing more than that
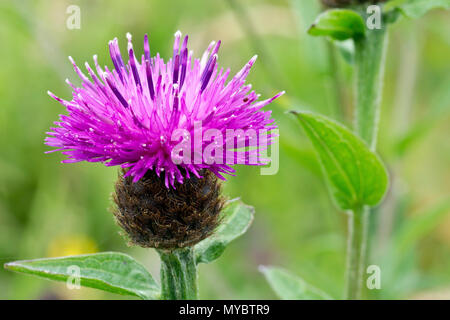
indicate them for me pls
(71, 245)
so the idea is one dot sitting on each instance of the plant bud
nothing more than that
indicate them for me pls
(155, 216)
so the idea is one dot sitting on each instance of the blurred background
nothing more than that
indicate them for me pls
(49, 209)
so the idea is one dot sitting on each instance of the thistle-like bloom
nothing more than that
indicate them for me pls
(131, 116)
(344, 3)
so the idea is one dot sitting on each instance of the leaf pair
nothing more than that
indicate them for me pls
(119, 273)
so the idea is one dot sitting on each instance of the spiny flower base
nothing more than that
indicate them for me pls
(344, 3)
(154, 216)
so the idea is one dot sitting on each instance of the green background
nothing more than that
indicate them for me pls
(50, 209)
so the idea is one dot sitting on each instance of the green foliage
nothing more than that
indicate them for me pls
(119, 273)
(290, 287)
(355, 174)
(437, 111)
(400, 261)
(237, 218)
(419, 226)
(417, 8)
(338, 24)
(109, 271)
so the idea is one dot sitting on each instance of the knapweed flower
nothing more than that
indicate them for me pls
(181, 117)
(174, 128)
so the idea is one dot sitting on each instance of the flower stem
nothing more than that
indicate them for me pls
(356, 251)
(370, 54)
(178, 274)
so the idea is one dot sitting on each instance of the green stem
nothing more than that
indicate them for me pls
(336, 76)
(356, 251)
(178, 274)
(370, 55)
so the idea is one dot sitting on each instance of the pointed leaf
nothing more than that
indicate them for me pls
(290, 287)
(237, 218)
(109, 271)
(339, 24)
(356, 176)
(417, 8)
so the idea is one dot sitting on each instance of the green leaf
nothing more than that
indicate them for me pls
(237, 218)
(109, 271)
(417, 8)
(356, 176)
(339, 24)
(290, 287)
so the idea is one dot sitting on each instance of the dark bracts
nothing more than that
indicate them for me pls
(154, 216)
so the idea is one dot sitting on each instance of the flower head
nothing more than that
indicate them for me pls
(154, 216)
(143, 115)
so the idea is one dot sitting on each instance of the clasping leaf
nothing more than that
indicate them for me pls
(416, 8)
(237, 218)
(356, 175)
(339, 24)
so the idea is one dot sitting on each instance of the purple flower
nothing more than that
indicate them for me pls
(133, 115)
